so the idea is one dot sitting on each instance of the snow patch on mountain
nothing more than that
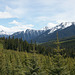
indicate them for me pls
(3, 30)
(49, 26)
(63, 25)
(45, 28)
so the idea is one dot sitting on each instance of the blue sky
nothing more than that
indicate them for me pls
(17, 15)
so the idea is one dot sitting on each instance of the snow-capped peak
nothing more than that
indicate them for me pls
(49, 26)
(63, 25)
(2, 32)
(45, 28)
(66, 24)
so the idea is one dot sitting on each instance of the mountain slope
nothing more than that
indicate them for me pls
(61, 26)
(3, 33)
(66, 32)
(28, 34)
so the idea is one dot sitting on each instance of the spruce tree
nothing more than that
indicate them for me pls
(3, 70)
(18, 70)
(33, 68)
(73, 70)
(59, 66)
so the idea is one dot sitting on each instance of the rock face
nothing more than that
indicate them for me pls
(28, 34)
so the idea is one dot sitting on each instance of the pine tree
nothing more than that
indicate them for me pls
(25, 61)
(71, 65)
(35, 46)
(59, 66)
(8, 67)
(33, 68)
(5, 45)
(73, 70)
(18, 68)
(2, 64)
(1, 61)
(25, 46)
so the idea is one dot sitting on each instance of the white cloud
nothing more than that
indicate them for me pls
(38, 11)
(14, 29)
(3, 28)
(58, 11)
(17, 26)
(5, 15)
(42, 19)
(15, 22)
(18, 12)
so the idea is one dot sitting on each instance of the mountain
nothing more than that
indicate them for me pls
(66, 29)
(61, 26)
(3, 33)
(28, 34)
(3, 30)
(45, 28)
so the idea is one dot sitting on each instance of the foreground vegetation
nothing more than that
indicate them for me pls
(32, 63)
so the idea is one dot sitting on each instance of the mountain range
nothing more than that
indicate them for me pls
(65, 29)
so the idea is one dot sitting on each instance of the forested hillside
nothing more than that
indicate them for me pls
(15, 61)
(68, 44)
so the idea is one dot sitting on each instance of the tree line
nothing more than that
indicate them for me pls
(47, 48)
(22, 45)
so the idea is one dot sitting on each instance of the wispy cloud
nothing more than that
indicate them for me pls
(15, 22)
(18, 12)
(6, 15)
(38, 12)
(17, 26)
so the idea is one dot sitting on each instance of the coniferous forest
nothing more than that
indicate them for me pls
(18, 57)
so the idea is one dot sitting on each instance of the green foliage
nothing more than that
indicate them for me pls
(59, 66)
(20, 62)
(67, 44)
(32, 66)
(20, 45)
